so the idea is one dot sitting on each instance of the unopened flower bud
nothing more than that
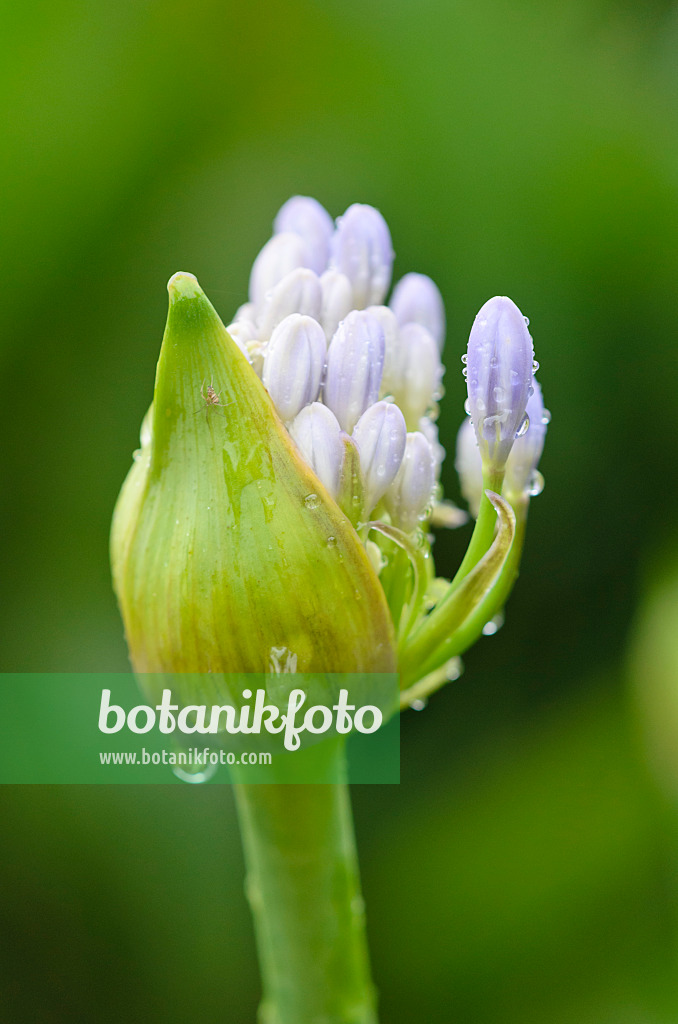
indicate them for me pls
(319, 439)
(522, 477)
(282, 253)
(220, 536)
(416, 381)
(430, 431)
(380, 435)
(409, 496)
(337, 300)
(361, 248)
(242, 331)
(297, 292)
(499, 374)
(293, 364)
(416, 300)
(392, 347)
(355, 362)
(469, 467)
(305, 217)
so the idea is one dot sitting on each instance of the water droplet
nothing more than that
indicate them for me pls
(494, 625)
(418, 705)
(530, 391)
(467, 407)
(536, 484)
(453, 669)
(195, 774)
(494, 361)
(331, 542)
(523, 426)
(464, 373)
(464, 359)
(527, 321)
(535, 366)
(311, 501)
(546, 417)
(499, 394)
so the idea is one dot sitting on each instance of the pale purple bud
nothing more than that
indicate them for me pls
(417, 378)
(392, 346)
(410, 494)
(522, 476)
(416, 300)
(361, 248)
(281, 254)
(380, 435)
(242, 331)
(469, 466)
(319, 438)
(293, 364)
(355, 362)
(499, 374)
(305, 217)
(248, 311)
(430, 431)
(337, 300)
(297, 292)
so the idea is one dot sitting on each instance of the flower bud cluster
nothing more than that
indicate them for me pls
(338, 362)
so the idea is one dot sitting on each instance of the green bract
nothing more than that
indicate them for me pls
(225, 546)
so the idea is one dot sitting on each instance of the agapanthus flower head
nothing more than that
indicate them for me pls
(499, 366)
(296, 511)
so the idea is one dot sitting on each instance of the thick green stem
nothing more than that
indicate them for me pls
(304, 890)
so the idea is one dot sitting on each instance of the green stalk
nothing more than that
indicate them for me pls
(304, 891)
(483, 532)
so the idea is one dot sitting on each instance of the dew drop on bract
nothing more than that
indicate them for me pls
(494, 625)
(331, 542)
(311, 501)
(536, 484)
(524, 426)
(453, 669)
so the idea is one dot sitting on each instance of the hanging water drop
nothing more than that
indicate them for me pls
(535, 366)
(467, 407)
(524, 426)
(546, 417)
(418, 705)
(536, 484)
(494, 625)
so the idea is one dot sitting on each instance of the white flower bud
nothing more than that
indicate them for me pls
(281, 254)
(469, 466)
(380, 435)
(361, 248)
(409, 496)
(242, 331)
(337, 300)
(392, 346)
(416, 300)
(416, 383)
(248, 311)
(430, 431)
(293, 364)
(318, 436)
(297, 292)
(307, 218)
(355, 361)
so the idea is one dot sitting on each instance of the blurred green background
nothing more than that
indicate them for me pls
(526, 869)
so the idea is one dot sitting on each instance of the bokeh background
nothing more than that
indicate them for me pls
(526, 869)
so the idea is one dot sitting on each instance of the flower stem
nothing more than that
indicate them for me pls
(304, 891)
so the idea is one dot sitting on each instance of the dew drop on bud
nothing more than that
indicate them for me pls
(535, 366)
(467, 407)
(524, 426)
(536, 484)
(464, 358)
(546, 417)
(527, 321)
